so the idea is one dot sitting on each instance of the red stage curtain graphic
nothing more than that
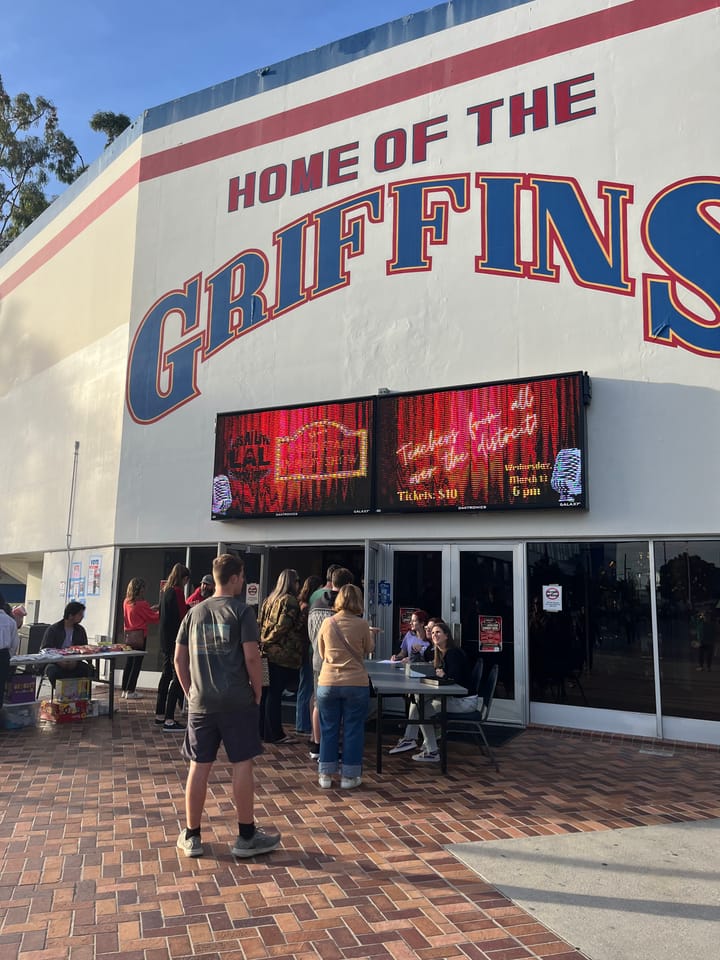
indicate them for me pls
(476, 447)
(303, 460)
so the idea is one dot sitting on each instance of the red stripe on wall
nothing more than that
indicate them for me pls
(461, 68)
(89, 215)
(536, 45)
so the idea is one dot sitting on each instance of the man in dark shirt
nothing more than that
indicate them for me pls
(67, 632)
(217, 661)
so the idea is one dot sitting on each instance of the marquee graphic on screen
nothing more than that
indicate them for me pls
(513, 445)
(294, 461)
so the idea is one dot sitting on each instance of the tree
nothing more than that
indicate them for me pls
(111, 124)
(33, 149)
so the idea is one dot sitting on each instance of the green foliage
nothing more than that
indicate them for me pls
(111, 124)
(33, 149)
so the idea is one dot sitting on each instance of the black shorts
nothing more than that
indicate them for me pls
(237, 730)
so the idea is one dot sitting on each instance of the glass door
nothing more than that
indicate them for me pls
(486, 613)
(256, 559)
(419, 582)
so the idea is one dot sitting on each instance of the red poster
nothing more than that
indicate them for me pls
(490, 634)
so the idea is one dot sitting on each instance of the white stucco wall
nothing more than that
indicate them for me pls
(64, 308)
(450, 325)
(68, 325)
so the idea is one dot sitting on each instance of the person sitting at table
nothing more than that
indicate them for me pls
(343, 691)
(67, 632)
(414, 644)
(137, 614)
(450, 663)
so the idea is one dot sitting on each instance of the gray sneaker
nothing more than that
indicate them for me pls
(190, 846)
(259, 842)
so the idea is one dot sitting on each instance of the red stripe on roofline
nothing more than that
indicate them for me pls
(535, 45)
(440, 74)
(124, 183)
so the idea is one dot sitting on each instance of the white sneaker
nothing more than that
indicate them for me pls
(123, 695)
(133, 695)
(325, 781)
(402, 745)
(426, 757)
(349, 783)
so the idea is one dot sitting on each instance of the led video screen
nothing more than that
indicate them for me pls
(495, 446)
(294, 461)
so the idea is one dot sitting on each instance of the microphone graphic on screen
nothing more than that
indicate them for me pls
(221, 494)
(566, 477)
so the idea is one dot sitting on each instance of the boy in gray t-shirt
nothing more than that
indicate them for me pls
(217, 661)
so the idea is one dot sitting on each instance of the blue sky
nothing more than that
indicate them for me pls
(126, 56)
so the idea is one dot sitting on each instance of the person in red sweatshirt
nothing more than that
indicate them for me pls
(137, 614)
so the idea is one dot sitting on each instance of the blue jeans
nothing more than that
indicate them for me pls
(346, 707)
(304, 696)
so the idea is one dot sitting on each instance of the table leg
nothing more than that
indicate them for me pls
(443, 741)
(111, 690)
(378, 734)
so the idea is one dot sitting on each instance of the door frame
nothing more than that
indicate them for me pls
(516, 711)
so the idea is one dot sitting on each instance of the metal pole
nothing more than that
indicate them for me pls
(655, 642)
(71, 512)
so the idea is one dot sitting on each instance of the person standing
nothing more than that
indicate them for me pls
(137, 614)
(317, 593)
(343, 692)
(320, 609)
(205, 590)
(281, 642)
(217, 661)
(306, 686)
(172, 610)
(19, 613)
(9, 645)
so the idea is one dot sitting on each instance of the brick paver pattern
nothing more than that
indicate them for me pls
(91, 812)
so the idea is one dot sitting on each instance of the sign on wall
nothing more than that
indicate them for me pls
(297, 461)
(517, 444)
(504, 445)
(552, 598)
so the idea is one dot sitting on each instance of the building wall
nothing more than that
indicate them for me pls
(65, 309)
(446, 322)
(466, 284)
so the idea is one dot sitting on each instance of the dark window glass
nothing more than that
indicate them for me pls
(486, 591)
(417, 584)
(201, 561)
(152, 564)
(597, 650)
(687, 575)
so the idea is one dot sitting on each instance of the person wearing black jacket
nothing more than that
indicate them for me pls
(172, 610)
(450, 664)
(67, 632)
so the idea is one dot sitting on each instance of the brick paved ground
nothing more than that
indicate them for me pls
(90, 815)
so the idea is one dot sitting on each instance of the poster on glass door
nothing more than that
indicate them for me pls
(490, 634)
